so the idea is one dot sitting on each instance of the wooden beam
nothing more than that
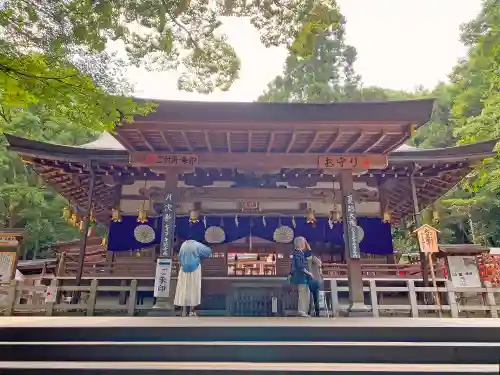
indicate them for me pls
(164, 137)
(381, 137)
(271, 141)
(259, 161)
(186, 141)
(393, 146)
(291, 143)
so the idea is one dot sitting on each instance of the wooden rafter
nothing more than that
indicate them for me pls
(271, 142)
(249, 144)
(335, 139)
(291, 143)
(146, 142)
(186, 141)
(164, 137)
(357, 137)
(207, 141)
(393, 146)
(228, 141)
(380, 139)
(313, 141)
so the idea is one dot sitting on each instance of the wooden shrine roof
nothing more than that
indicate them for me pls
(66, 168)
(275, 128)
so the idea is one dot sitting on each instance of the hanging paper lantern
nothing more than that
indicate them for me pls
(116, 215)
(194, 217)
(66, 213)
(143, 215)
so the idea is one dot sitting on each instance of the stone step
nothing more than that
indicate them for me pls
(268, 329)
(256, 352)
(217, 368)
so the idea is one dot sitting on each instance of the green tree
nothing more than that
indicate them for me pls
(325, 75)
(25, 201)
(53, 52)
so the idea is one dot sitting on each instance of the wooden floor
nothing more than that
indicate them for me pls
(241, 322)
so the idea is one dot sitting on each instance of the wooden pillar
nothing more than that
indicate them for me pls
(355, 277)
(86, 225)
(163, 291)
(418, 222)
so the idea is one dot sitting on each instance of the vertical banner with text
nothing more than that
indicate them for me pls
(168, 226)
(351, 227)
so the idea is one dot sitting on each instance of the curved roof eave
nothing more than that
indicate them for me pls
(477, 150)
(69, 153)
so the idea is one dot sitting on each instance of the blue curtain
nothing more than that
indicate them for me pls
(377, 235)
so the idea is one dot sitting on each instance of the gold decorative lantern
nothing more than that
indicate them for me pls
(74, 219)
(194, 216)
(143, 214)
(66, 213)
(92, 216)
(80, 226)
(337, 217)
(116, 215)
(104, 241)
(387, 217)
(310, 217)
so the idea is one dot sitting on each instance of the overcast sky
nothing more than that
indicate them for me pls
(401, 44)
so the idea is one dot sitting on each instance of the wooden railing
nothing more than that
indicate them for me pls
(147, 269)
(379, 292)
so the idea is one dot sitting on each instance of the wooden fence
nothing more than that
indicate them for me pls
(381, 296)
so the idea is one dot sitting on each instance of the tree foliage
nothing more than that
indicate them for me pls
(25, 201)
(54, 52)
(466, 110)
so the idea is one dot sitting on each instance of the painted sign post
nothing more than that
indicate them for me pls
(428, 242)
(162, 278)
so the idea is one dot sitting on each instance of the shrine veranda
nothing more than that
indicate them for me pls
(246, 178)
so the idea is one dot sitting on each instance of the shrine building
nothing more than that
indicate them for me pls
(246, 178)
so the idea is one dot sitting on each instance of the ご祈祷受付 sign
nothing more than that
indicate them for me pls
(165, 160)
(162, 278)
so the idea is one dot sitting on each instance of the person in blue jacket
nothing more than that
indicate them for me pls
(188, 291)
(300, 275)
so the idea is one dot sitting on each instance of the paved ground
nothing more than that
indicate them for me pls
(304, 367)
(241, 322)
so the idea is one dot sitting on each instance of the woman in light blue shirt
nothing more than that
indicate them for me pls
(188, 291)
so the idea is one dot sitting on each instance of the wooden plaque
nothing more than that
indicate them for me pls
(427, 239)
(353, 162)
(163, 159)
